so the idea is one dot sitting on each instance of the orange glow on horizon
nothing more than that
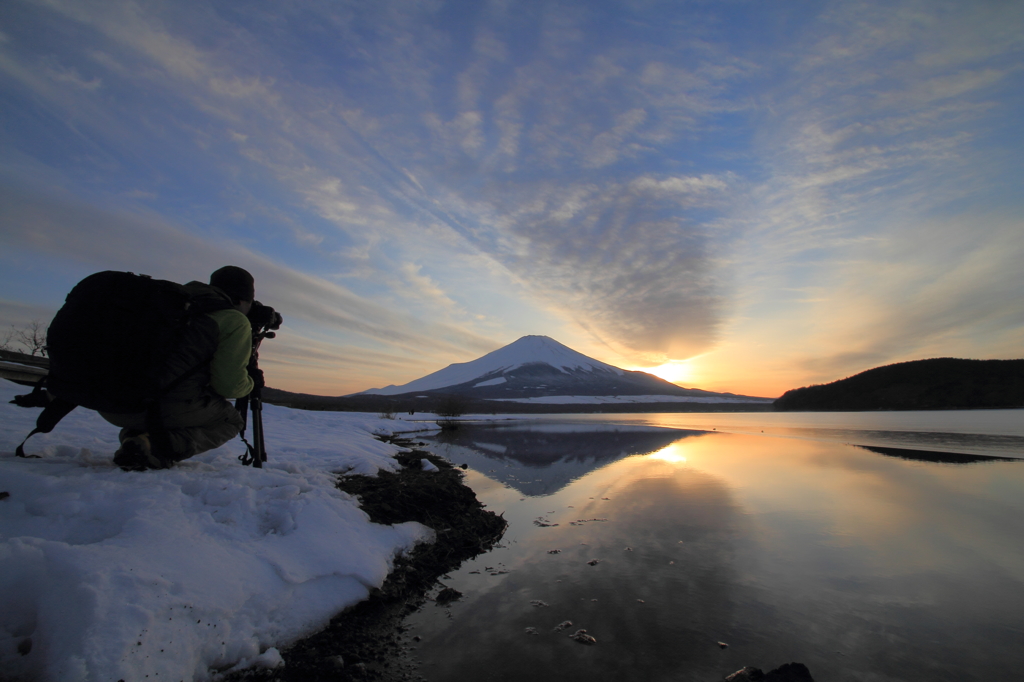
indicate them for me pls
(723, 372)
(675, 371)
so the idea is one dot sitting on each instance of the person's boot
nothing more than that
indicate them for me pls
(136, 454)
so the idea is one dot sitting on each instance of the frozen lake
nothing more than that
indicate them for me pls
(787, 546)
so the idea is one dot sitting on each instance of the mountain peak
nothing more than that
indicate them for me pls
(538, 368)
(544, 349)
(527, 350)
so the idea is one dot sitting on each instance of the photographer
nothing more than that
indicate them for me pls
(194, 415)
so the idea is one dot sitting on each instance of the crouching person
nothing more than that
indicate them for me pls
(210, 367)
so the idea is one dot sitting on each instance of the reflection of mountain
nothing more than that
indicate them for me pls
(656, 609)
(938, 457)
(541, 459)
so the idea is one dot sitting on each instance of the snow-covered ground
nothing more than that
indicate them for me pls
(181, 574)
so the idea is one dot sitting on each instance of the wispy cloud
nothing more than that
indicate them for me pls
(89, 239)
(655, 178)
(883, 180)
(540, 174)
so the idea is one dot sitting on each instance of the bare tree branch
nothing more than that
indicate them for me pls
(448, 409)
(7, 340)
(30, 339)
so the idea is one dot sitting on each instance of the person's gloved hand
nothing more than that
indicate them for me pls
(257, 376)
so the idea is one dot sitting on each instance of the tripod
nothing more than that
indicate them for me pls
(256, 453)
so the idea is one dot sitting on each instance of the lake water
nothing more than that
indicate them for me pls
(789, 546)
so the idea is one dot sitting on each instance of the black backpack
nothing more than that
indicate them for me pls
(114, 346)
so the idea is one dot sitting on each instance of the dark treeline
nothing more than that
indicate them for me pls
(432, 401)
(936, 384)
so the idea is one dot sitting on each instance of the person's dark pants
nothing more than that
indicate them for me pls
(192, 427)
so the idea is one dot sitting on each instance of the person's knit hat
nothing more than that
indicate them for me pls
(235, 282)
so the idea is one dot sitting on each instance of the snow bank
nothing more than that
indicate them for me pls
(178, 574)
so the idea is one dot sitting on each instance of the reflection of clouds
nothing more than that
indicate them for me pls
(786, 549)
(665, 514)
(930, 547)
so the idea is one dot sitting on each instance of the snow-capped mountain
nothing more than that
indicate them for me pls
(540, 369)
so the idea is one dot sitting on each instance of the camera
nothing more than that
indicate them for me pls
(263, 319)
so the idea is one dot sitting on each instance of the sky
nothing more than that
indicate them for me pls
(737, 196)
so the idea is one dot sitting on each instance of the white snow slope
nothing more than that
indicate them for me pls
(182, 574)
(528, 349)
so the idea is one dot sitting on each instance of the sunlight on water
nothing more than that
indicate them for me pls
(979, 432)
(663, 543)
(670, 454)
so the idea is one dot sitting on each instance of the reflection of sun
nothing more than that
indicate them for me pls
(671, 454)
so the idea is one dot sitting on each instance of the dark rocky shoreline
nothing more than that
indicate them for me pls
(367, 641)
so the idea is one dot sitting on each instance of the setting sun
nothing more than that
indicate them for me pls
(676, 371)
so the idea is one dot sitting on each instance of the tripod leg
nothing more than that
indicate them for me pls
(263, 442)
(243, 405)
(260, 454)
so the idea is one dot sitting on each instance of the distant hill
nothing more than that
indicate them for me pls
(935, 384)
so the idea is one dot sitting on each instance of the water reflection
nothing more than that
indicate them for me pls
(860, 565)
(641, 556)
(936, 457)
(540, 459)
(977, 432)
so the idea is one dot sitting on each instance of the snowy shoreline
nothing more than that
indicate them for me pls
(186, 573)
(633, 399)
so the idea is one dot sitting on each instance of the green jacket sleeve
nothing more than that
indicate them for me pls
(228, 375)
